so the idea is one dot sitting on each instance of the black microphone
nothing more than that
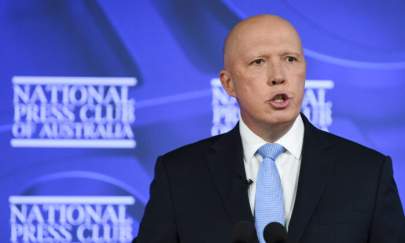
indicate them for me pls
(244, 232)
(275, 232)
(248, 182)
(245, 182)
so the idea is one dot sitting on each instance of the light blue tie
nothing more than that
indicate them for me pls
(269, 193)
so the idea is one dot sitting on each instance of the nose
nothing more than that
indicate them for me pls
(277, 81)
(276, 74)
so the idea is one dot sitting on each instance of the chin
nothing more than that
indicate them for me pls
(282, 117)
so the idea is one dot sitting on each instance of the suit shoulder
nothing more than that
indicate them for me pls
(192, 150)
(354, 149)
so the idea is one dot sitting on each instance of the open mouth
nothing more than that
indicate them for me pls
(279, 101)
(279, 98)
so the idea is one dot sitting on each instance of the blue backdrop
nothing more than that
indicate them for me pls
(92, 91)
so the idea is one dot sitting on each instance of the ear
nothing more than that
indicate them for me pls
(227, 82)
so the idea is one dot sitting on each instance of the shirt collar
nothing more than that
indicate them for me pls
(292, 141)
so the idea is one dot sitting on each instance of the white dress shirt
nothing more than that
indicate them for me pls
(288, 163)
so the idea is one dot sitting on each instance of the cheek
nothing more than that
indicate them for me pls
(249, 80)
(301, 72)
(297, 78)
(300, 89)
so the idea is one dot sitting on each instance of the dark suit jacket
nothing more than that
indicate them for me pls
(346, 193)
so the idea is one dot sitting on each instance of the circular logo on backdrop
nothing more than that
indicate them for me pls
(75, 206)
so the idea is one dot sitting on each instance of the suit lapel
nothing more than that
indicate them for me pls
(225, 162)
(316, 167)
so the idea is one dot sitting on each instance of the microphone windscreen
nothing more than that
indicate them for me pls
(275, 233)
(244, 232)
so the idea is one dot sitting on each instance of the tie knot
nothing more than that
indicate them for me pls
(271, 150)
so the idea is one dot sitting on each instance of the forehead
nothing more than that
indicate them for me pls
(267, 38)
(263, 36)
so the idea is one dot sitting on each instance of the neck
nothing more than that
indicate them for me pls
(270, 132)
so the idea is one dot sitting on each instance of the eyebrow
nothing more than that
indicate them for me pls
(291, 52)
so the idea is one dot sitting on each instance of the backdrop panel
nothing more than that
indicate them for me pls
(93, 91)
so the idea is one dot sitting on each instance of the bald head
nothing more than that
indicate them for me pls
(260, 26)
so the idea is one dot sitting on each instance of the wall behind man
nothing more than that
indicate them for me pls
(93, 91)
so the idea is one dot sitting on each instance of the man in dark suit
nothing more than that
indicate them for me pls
(328, 189)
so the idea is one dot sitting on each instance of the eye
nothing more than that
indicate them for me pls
(257, 61)
(291, 59)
